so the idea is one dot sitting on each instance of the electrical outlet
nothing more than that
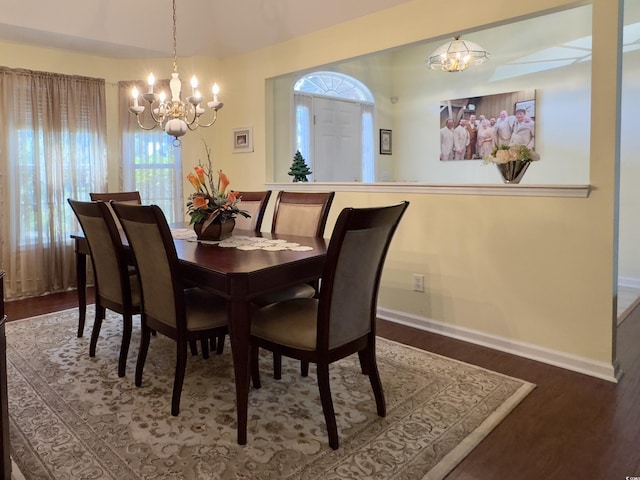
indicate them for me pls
(418, 283)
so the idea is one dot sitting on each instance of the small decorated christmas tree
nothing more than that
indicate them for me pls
(299, 169)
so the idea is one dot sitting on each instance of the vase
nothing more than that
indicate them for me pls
(216, 230)
(513, 171)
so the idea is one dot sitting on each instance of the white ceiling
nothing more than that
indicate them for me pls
(143, 28)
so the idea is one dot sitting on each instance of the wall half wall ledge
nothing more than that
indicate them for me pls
(519, 190)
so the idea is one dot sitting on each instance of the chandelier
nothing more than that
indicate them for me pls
(174, 116)
(457, 55)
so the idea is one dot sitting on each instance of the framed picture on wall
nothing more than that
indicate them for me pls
(385, 142)
(471, 127)
(243, 140)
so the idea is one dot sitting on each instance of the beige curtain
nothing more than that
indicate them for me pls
(52, 147)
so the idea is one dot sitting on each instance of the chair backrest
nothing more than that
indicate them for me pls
(156, 261)
(132, 198)
(351, 275)
(126, 197)
(301, 213)
(256, 204)
(108, 255)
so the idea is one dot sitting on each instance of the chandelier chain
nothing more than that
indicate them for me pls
(175, 56)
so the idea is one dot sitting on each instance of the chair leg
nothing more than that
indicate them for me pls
(194, 347)
(95, 333)
(363, 365)
(181, 365)
(204, 343)
(304, 368)
(327, 404)
(220, 346)
(124, 347)
(145, 338)
(254, 350)
(277, 366)
(371, 366)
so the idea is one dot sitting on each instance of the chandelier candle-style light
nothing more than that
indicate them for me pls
(174, 115)
(457, 55)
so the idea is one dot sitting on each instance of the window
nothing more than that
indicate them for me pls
(150, 162)
(153, 168)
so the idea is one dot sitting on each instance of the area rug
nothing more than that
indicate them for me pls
(71, 417)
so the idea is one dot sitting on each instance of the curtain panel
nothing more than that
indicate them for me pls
(52, 147)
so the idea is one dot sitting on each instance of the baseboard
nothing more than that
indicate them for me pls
(604, 371)
(629, 282)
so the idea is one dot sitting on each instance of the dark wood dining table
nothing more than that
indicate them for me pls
(239, 276)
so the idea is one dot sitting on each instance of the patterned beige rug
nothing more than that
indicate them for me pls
(73, 418)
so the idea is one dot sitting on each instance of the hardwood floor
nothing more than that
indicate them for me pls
(570, 426)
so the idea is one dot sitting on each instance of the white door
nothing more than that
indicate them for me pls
(337, 137)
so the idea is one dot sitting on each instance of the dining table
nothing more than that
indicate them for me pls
(239, 275)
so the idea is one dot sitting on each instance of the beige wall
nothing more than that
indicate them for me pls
(527, 274)
(530, 275)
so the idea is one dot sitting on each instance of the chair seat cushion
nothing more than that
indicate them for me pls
(204, 309)
(291, 323)
(300, 290)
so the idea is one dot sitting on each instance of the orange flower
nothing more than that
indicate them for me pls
(223, 181)
(232, 197)
(200, 202)
(200, 172)
(194, 181)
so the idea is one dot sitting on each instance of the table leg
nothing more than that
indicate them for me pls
(239, 330)
(81, 281)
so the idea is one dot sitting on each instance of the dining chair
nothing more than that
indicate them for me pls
(301, 213)
(124, 197)
(304, 214)
(256, 204)
(169, 306)
(342, 321)
(116, 285)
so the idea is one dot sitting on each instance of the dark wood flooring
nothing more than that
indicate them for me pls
(571, 426)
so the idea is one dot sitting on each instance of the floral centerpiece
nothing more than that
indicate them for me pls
(212, 203)
(512, 161)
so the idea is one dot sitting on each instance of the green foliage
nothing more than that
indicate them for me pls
(299, 169)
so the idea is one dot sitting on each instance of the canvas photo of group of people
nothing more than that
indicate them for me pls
(471, 128)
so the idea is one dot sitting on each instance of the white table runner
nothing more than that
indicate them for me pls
(241, 242)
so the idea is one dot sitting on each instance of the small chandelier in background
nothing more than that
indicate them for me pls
(457, 55)
(174, 115)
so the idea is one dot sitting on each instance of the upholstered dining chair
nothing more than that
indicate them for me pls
(168, 305)
(116, 285)
(342, 320)
(301, 213)
(304, 214)
(132, 198)
(256, 204)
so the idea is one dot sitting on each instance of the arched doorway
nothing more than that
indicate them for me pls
(333, 127)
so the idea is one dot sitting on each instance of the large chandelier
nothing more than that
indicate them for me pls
(457, 55)
(174, 116)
